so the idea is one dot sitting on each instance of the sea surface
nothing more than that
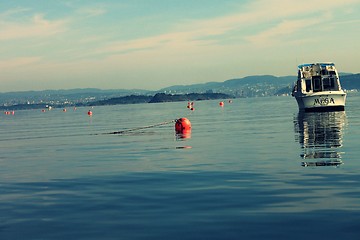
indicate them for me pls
(255, 168)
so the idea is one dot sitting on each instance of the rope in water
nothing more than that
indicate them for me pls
(140, 128)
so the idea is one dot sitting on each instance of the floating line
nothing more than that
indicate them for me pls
(87, 134)
(140, 128)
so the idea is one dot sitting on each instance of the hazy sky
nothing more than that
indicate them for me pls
(150, 44)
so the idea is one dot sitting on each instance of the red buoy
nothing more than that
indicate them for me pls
(190, 105)
(182, 125)
(221, 104)
(89, 113)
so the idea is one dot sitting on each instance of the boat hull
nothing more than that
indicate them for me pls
(322, 102)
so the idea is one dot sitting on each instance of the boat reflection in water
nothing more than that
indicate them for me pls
(320, 136)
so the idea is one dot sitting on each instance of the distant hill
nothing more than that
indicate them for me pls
(251, 86)
(131, 99)
(78, 95)
(256, 85)
(350, 81)
(162, 97)
(263, 79)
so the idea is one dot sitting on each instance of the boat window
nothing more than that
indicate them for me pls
(326, 84)
(324, 72)
(329, 84)
(308, 85)
(333, 85)
(316, 83)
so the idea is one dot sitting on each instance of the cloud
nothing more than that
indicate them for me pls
(92, 11)
(187, 46)
(277, 18)
(143, 44)
(310, 16)
(35, 26)
(18, 62)
(279, 31)
(12, 12)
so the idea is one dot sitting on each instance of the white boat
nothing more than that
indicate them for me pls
(318, 88)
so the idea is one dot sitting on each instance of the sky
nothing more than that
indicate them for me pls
(151, 44)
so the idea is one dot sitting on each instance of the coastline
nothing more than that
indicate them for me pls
(130, 99)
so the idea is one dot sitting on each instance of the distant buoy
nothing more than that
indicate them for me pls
(230, 101)
(64, 110)
(43, 110)
(89, 113)
(221, 104)
(182, 125)
(190, 105)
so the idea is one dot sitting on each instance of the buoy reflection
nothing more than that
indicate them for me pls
(184, 147)
(185, 134)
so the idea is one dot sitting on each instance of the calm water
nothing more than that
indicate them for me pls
(254, 169)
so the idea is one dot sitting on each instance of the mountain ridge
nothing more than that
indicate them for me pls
(250, 86)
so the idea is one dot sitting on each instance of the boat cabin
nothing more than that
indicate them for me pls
(317, 77)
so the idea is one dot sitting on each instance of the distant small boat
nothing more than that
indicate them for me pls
(318, 88)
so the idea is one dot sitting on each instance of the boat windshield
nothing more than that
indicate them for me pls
(318, 84)
(329, 84)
